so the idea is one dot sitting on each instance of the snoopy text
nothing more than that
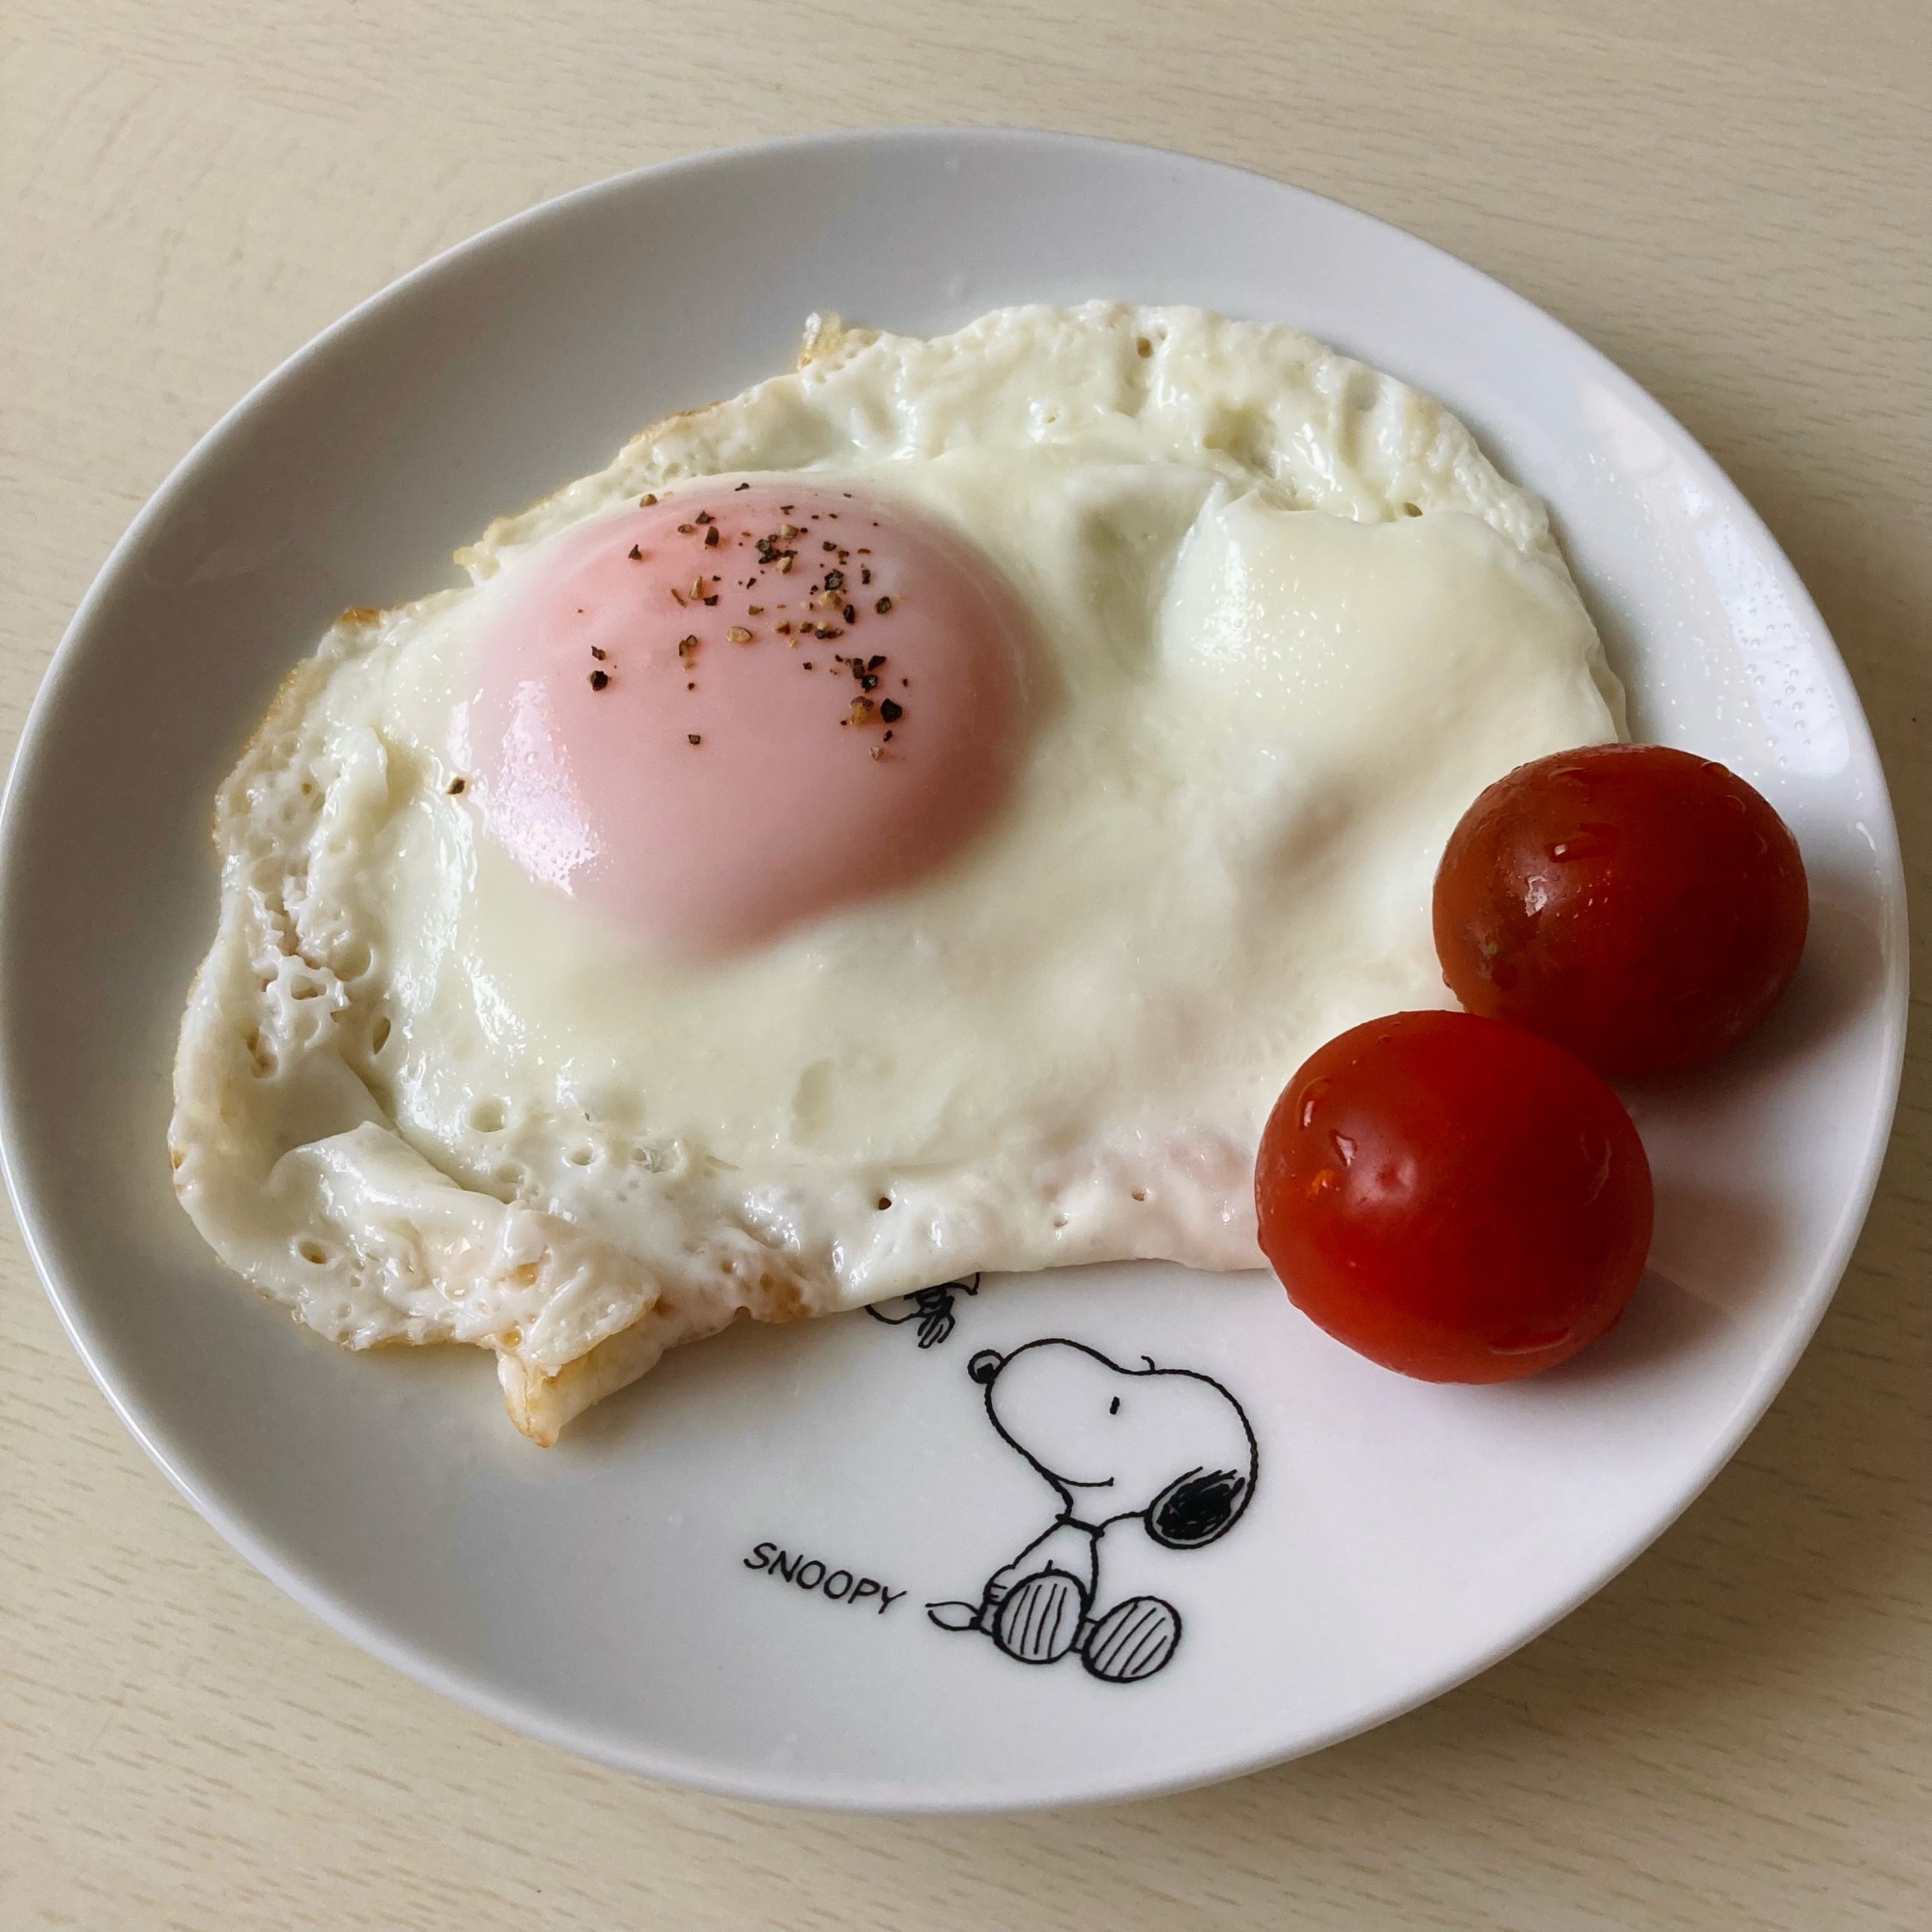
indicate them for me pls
(808, 1573)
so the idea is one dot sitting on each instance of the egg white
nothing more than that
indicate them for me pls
(1291, 621)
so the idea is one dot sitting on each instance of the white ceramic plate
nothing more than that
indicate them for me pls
(720, 1576)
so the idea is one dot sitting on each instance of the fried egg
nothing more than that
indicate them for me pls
(905, 820)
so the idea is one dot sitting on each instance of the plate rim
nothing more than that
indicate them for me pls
(473, 1691)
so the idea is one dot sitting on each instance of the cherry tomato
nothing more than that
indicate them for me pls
(1453, 1198)
(1643, 907)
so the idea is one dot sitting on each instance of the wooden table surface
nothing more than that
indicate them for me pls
(1732, 200)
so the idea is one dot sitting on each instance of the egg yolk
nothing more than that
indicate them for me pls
(724, 712)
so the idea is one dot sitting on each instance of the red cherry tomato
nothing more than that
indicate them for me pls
(1453, 1198)
(1640, 906)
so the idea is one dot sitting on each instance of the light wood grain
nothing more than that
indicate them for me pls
(1732, 200)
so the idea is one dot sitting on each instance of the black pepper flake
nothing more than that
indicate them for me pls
(835, 579)
(637, 554)
(711, 537)
(864, 575)
(599, 679)
(600, 656)
(785, 509)
(704, 517)
(694, 738)
(851, 615)
(873, 663)
(808, 664)
(456, 785)
(744, 486)
(891, 710)
(884, 604)
(691, 687)
(889, 736)
(685, 529)
(828, 546)
(711, 600)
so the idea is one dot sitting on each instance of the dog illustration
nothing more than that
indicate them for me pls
(1167, 1448)
(931, 1307)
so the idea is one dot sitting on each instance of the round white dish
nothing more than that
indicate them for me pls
(662, 1590)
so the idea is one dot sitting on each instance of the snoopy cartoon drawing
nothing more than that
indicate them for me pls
(931, 1307)
(1167, 1448)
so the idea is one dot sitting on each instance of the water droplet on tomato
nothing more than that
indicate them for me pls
(1587, 841)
